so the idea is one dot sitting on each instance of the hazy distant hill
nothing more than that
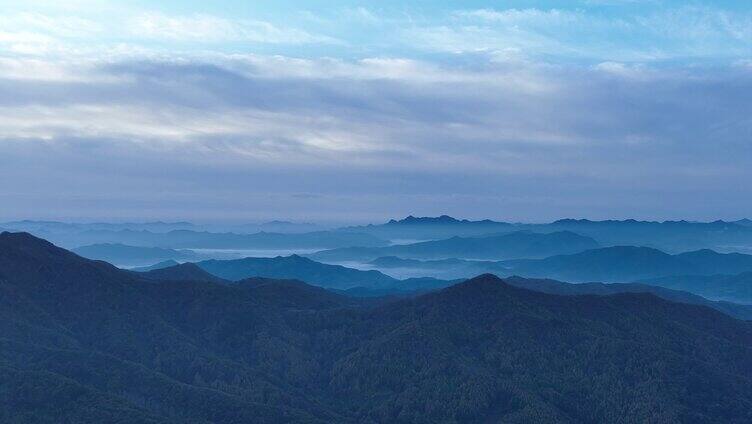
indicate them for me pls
(186, 239)
(124, 255)
(56, 226)
(670, 236)
(159, 265)
(629, 263)
(288, 227)
(447, 269)
(182, 272)
(83, 341)
(734, 288)
(520, 244)
(316, 273)
(297, 267)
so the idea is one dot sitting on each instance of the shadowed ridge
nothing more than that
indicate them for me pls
(25, 245)
(483, 282)
(295, 293)
(489, 292)
(550, 286)
(296, 267)
(27, 259)
(486, 292)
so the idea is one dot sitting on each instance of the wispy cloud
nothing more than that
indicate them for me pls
(662, 34)
(208, 28)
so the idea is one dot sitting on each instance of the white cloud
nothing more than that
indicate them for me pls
(523, 16)
(208, 28)
(62, 26)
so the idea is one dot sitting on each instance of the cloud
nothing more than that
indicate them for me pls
(212, 29)
(520, 114)
(63, 26)
(654, 34)
(441, 116)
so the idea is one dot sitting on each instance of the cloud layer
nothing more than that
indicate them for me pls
(482, 113)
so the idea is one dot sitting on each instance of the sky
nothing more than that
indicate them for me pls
(344, 111)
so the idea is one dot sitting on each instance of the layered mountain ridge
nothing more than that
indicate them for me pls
(120, 348)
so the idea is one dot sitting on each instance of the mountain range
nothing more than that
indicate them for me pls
(53, 227)
(189, 239)
(83, 341)
(629, 263)
(316, 273)
(447, 269)
(670, 236)
(359, 283)
(518, 244)
(124, 255)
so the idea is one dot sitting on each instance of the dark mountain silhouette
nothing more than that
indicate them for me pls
(182, 272)
(297, 267)
(158, 265)
(124, 255)
(83, 341)
(520, 244)
(732, 288)
(629, 263)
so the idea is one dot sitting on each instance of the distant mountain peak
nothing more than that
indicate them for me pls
(481, 289)
(433, 220)
(295, 258)
(484, 280)
(443, 219)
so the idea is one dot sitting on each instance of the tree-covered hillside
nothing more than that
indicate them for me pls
(85, 342)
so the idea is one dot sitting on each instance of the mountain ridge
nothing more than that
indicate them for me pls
(517, 244)
(629, 263)
(272, 352)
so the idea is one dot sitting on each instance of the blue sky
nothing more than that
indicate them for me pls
(356, 111)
